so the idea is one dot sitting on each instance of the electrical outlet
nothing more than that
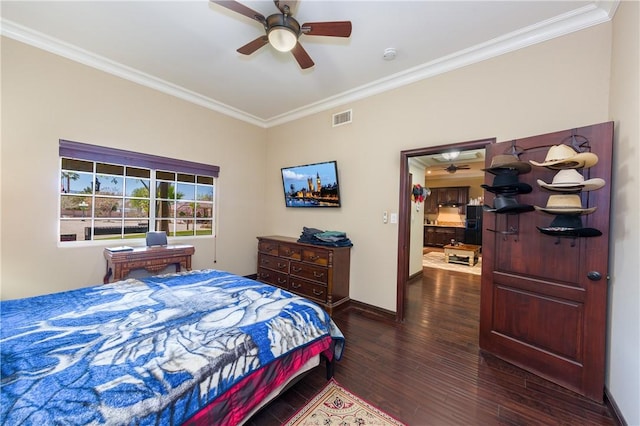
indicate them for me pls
(384, 217)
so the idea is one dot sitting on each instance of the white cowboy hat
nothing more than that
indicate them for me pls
(564, 157)
(565, 204)
(570, 180)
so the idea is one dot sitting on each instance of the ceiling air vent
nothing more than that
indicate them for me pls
(341, 118)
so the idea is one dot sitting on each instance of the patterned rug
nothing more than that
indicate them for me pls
(436, 260)
(336, 406)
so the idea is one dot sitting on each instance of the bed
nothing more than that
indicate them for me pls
(198, 347)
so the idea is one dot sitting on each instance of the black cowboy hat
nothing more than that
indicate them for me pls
(507, 204)
(569, 226)
(507, 183)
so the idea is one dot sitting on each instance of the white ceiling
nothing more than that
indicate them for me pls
(187, 48)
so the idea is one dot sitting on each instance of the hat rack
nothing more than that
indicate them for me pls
(506, 185)
(580, 145)
(511, 230)
(572, 243)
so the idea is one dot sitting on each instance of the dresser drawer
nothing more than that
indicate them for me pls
(317, 256)
(273, 262)
(278, 279)
(308, 289)
(290, 251)
(310, 272)
(269, 247)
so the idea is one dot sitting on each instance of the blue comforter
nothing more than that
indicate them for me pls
(148, 351)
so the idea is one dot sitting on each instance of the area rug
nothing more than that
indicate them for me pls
(436, 260)
(336, 406)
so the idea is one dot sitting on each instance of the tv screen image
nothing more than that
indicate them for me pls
(311, 185)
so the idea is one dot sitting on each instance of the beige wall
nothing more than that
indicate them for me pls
(46, 98)
(559, 84)
(551, 86)
(623, 354)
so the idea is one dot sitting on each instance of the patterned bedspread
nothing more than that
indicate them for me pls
(148, 351)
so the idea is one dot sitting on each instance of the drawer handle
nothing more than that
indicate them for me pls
(282, 281)
(294, 285)
(317, 293)
(287, 252)
(296, 269)
(318, 274)
(263, 275)
(314, 257)
(269, 248)
(264, 261)
(282, 265)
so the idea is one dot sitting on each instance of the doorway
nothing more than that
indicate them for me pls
(404, 212)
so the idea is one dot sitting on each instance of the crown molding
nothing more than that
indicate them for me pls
(560, 25)
(576, 20)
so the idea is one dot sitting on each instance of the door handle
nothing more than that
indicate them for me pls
(594, 275)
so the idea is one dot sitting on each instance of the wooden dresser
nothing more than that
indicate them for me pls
(319, 273)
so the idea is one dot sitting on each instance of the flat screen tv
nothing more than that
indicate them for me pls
(311, 185)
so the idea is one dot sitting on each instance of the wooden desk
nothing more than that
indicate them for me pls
(153, 259)
(470, 251)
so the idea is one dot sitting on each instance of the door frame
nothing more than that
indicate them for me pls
(404, 211)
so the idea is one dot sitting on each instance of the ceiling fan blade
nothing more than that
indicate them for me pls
(241, 9)
(254, 45)
(331, 29)
(282, 5)
(301, 55)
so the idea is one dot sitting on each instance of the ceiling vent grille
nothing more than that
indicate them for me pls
(341, 118)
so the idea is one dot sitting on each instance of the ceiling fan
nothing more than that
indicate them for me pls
(453, 168)
(282, 30)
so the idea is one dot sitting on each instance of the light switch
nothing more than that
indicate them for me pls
(394, 217)
(384, 217)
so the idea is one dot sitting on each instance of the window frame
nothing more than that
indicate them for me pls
(155, 164)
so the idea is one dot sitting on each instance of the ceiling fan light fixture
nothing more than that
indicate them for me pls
(451, 155)
(282, 38)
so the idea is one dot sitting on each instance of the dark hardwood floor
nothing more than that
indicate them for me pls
(430, 371)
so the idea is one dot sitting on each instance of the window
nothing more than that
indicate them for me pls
(107, 193)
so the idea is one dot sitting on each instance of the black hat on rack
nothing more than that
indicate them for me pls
(507, 204)
(569, 226)
(507, 183)
(508, 162)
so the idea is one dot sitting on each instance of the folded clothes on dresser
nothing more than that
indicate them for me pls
(324, 238)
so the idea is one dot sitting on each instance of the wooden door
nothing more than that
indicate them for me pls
(543, 297)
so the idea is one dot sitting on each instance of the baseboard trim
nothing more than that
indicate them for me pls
(415, 276)
(613, 408)
(365, 308)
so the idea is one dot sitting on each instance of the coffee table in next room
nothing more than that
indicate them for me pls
(453, 254)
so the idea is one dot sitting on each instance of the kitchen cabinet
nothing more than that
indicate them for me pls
(439, 236)
(452, 196)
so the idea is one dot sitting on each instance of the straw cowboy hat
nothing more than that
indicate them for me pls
(570, 180)
(569, 226)
(564, 157)
(508, 204)
(500, 163)
(565, 204)
(507, 183)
